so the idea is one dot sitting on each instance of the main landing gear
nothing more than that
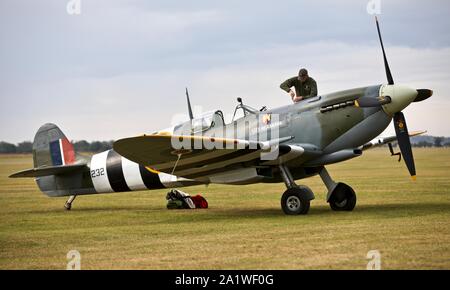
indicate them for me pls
(296, 199)
(68, 204)
(341, 196)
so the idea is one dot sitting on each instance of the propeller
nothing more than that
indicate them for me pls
(366, 101)
(423, 94)
(386, 64)
(401, 130)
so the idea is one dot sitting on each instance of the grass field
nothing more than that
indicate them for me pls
(244, 228)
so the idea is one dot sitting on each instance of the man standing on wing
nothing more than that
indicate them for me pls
(305, 86)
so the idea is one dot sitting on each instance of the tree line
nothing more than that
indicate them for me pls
(434, 142)
(79, 146)
(100, 146)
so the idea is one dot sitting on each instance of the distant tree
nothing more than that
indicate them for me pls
(7, 147)
(438, 141)
(95, 146)
(107, 145)
(24, 147)
(424, 144)
(81, 146)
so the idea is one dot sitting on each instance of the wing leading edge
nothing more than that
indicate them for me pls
(193, 156)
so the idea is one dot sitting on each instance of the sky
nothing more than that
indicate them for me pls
(119, 68)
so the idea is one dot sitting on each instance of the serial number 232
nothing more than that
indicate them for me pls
(97, 172)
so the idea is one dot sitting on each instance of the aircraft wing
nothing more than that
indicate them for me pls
(385, 140)
(199, 156)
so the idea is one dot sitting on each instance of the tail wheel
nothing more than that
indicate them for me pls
(294, 201)
(68, 206)
(343, 198)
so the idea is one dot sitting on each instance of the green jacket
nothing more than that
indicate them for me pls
(307, 89)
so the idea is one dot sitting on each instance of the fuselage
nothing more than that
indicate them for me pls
(331, 127)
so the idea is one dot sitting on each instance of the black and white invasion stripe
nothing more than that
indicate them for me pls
(111, 172)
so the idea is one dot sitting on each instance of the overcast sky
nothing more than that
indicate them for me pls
(119, 68)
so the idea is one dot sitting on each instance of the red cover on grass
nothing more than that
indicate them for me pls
(199, 201)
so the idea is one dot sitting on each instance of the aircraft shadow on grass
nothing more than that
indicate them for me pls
(215, 213)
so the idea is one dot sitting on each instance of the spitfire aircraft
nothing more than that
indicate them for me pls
(301, 139)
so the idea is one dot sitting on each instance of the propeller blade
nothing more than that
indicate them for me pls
(386, 64)
(404, 143)
(365, 102)
(423, 94)
(191, 116)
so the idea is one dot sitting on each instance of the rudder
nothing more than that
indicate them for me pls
(51, 147)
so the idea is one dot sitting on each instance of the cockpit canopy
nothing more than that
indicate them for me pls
(207, 120)
(201, 123)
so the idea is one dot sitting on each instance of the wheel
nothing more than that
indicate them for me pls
(343, 198)
(68, 206)
(294, 201)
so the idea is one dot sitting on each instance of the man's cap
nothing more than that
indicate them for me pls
(303, 72)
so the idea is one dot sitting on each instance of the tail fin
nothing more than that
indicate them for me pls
(52, 148)
(57, 168)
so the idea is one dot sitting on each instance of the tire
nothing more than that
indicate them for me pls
(343, 198)
(294, 201)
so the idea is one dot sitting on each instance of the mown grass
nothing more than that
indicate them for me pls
(244, 228)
